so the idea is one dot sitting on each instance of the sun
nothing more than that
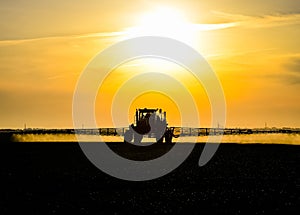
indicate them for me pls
(163, 18)
(165, 22)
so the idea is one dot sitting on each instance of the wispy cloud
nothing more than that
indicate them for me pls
(293, 79)
(217, 26)
(288, 71)
(260, 21)
(292, 70)
(90, 35)
(174, 29)
(55, 77)
(293, 65)
(235, 53)
(125, 32)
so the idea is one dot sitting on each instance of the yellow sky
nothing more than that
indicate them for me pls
(252, 46)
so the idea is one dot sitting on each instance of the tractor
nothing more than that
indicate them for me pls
(151, 122)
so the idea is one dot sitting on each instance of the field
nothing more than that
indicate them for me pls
(50, 178)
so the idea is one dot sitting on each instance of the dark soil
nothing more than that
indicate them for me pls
(50, 178)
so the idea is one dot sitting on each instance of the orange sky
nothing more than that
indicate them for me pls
(253, 47)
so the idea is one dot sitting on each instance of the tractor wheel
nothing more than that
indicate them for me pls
(128, 136)
(168, 136)
(159, 138)
(137, 138)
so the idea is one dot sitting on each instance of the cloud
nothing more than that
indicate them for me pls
(217, 26)
(236, 53)
(292, 70)
(293, 79)
(90, 35)
(264, 21)
(293, 65)
(125, 32)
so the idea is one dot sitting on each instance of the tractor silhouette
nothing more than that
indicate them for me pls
(151, 122)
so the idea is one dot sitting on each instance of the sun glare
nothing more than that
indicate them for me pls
(166, 22)
(161, 18)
